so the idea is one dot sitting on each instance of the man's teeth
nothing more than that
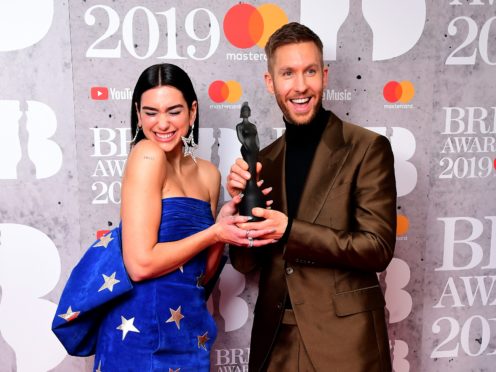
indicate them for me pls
(300, 100)
(165, 135)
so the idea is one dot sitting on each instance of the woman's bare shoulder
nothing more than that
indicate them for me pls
(146, 159)
(207, 168)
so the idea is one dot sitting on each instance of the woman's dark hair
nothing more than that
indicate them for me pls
(157, 76)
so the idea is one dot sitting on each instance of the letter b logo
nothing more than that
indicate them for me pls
(25, 138)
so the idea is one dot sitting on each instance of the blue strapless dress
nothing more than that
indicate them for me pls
(160, 324)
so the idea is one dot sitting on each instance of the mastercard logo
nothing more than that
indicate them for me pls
(222, 91)
(402, 91)
(246, 26)
(402, 225)
(101, 233)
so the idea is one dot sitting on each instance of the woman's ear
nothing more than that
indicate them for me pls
(192, 112)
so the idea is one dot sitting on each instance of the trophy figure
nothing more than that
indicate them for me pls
(248, 136)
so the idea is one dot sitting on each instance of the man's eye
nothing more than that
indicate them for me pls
(287, 73)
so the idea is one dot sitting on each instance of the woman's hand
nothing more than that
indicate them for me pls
(227, 230)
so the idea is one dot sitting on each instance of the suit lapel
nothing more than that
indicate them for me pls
(329, 157)
(274, 161)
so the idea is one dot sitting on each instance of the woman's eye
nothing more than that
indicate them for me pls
(175, 112)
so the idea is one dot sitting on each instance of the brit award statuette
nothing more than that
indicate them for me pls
(248, 136)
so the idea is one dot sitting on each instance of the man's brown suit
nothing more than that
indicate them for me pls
(343, 233)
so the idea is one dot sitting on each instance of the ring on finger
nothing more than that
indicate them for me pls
(250, 242)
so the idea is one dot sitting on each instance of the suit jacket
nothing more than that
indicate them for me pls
(343, 233)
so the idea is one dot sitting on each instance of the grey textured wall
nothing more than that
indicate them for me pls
(63, 145)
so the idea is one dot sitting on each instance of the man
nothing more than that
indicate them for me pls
(320, 307)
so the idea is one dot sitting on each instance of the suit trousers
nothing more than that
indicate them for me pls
(289, 353)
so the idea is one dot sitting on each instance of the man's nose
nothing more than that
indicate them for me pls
(300, 83)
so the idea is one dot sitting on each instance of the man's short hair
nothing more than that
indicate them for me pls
(291, 33)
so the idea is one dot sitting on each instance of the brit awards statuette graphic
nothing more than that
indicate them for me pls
(248, 136)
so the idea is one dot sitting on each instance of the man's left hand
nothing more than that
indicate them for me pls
(273, 220)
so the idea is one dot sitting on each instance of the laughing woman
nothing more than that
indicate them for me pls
(171, 244)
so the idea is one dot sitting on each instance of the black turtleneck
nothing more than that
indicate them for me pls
(301, 143)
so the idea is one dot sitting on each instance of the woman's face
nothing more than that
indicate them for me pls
(164, 116)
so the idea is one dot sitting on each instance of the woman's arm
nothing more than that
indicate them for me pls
(141, 211)
(216, 250)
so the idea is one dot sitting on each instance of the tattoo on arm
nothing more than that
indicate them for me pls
(149, 157)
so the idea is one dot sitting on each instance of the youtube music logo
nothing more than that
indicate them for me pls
(99, 93)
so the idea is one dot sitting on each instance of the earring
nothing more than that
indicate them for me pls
(189, 144)
(136, 135)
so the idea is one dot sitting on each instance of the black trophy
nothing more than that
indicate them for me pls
(248, 136)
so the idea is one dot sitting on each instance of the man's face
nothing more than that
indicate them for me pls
(297, 79)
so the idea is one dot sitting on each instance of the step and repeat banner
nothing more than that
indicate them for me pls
(420, 72)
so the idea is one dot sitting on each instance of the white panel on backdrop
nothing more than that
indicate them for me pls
(396, 24)
(44, 152)
(400, 353)
(41, 124)
(29, 269)
(24, 23)
(399, 301)
(228, 148)
(325, 18)
(232, 308)
(403, 145)
(10, 147)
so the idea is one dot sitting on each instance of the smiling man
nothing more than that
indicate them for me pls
(333, 217)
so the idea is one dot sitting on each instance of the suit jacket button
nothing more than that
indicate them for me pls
(279, 305)
(289, 270)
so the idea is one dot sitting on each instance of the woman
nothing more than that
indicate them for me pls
(170, 243)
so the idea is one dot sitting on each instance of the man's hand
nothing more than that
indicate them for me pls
(227, 228)
(274, 221)
(238, 175)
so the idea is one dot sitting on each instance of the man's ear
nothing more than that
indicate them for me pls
(325, 76)
(269, 83)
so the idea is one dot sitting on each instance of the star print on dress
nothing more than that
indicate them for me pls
(202, 340)
(99, 367)
(189, 146)
(109, 282)
(199, 280)
(127, 326)
(176, 317)
(174, 370)
(181, 268)
(69, 315)
(104, 241)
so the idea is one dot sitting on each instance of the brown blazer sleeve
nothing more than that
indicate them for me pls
(362, 231)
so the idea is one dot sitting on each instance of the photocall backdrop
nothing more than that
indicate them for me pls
(421, 72)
